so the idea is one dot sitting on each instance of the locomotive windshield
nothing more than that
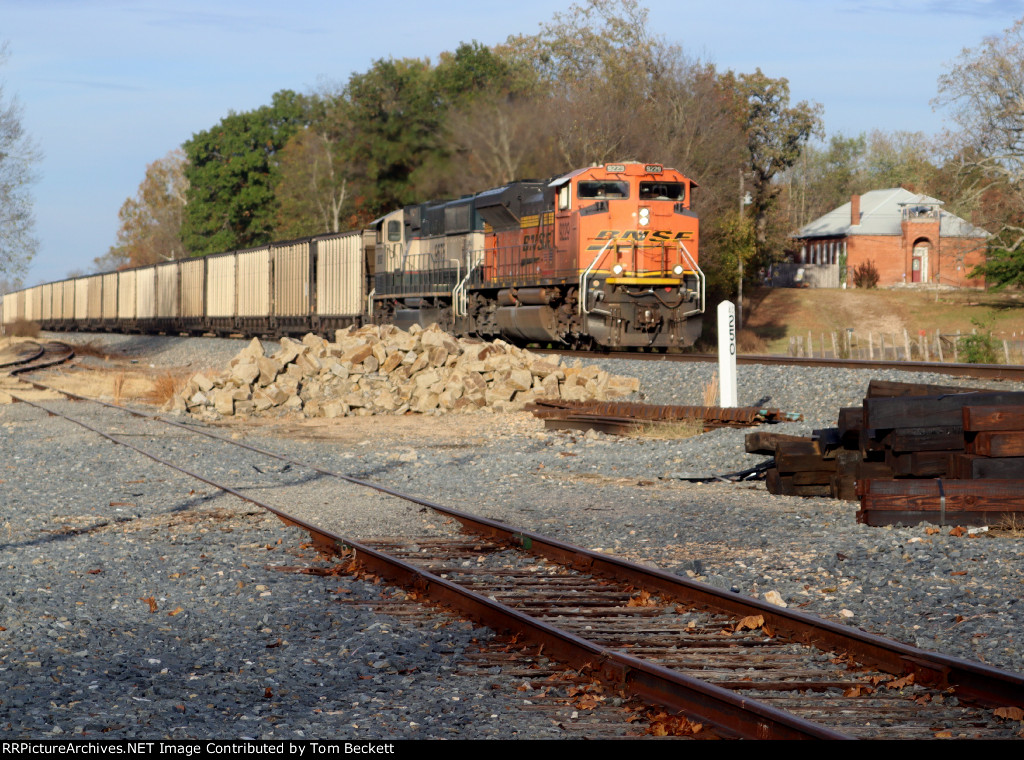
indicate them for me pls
(662, 191)
(602, 190)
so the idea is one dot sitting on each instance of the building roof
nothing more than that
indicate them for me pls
(881, 213)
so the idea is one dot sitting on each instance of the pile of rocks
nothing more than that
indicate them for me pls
(385, 370)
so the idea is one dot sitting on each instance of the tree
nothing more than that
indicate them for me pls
(18, 157)
(314, 186)
(150, 230)
(396, 119)
(776, 133)
(232, 172)
(600, 66)
(613, 89)
(901, 159)
(825, 177)
(985, 91)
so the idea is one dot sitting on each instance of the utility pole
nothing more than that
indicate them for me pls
(739, 295)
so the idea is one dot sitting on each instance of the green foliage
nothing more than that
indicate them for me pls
(735, 240)
(865, 275)
(776, 133)
(232, 173)
(979, 347)
(396, 119)
(1003, 267)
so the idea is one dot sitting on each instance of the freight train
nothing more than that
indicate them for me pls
(603, 257)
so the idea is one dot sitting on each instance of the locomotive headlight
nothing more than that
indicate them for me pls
(617, 269)
(677, 270)
(645, 217)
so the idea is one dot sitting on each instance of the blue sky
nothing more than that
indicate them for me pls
(108, 86)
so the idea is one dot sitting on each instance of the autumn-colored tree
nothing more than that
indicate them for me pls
(614, 89)
(497, 127)
(600, 65)
(985, 92)
(150, 223)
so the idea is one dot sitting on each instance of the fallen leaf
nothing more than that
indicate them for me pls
(857, 691)
(957, 531)
(899, 683)
(750, 623)
(643, 599)
(175, 611)
(151, 601)
(959, 572)
(267, 693)
(1010, 713)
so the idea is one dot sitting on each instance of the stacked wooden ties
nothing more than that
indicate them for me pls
(913, 453)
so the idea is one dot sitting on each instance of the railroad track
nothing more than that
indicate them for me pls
(1012, 372)
(734, 666)
(30, 356)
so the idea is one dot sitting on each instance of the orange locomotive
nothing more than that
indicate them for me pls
(605, 256)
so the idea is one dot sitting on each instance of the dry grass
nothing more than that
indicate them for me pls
(118, 390)
(165, 387)
(92, 348)
(711, 391)
(775, 315)
(1012, 525)
(749, 342)
(22, 328)
(670, 431)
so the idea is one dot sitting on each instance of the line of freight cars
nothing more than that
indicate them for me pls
(603, 256)
(314, 284)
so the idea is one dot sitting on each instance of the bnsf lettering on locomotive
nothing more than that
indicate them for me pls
(543, 240)
(642, 235)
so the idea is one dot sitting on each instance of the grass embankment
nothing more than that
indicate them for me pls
(772, 316)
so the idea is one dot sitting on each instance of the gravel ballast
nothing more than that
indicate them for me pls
(94, 537)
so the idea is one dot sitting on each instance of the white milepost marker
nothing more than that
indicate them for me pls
(727, 353)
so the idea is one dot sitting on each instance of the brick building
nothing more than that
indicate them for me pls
(908, 236)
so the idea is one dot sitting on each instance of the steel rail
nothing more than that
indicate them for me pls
(735, 715)
(1014, 372)
(67, 355)
(974, 682)
(19, 364)
(25, 358)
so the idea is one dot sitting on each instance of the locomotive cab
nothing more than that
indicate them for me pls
(636, 238)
